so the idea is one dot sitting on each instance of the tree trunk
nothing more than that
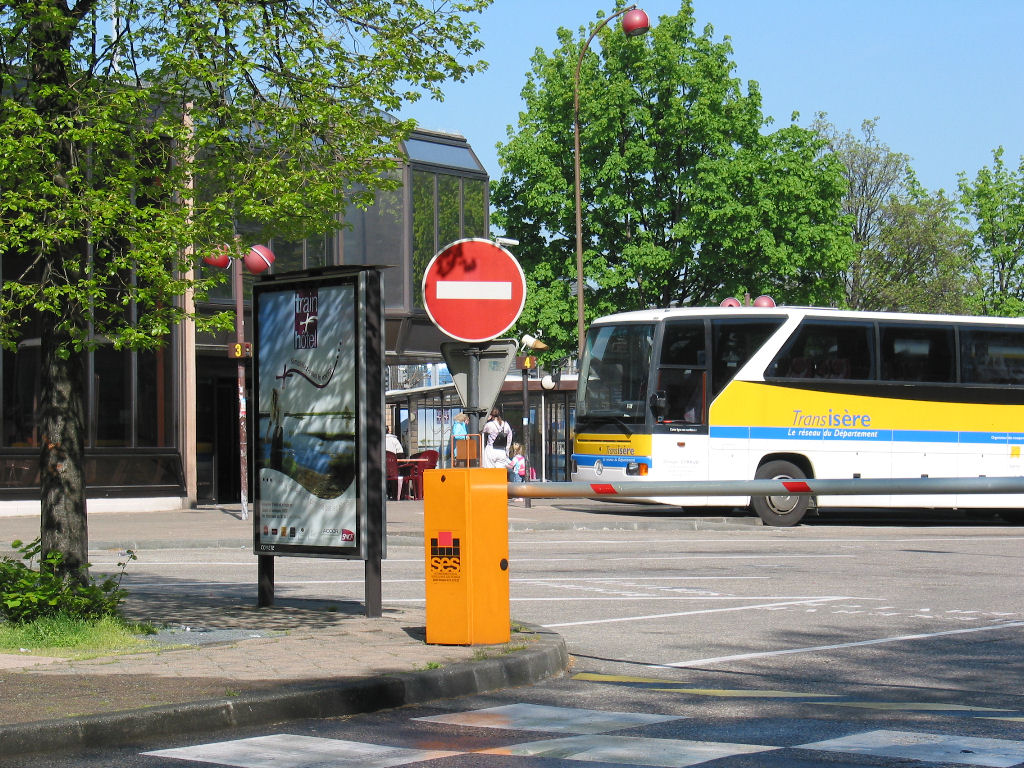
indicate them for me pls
(63, 525)
(62, 421)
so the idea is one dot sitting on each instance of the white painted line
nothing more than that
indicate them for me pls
(474, 289)
(288, 751)
(927, 747)
(549, 719)
(815, 648)
(628, 750)
(813, 601)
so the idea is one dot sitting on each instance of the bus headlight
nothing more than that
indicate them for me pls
(636, 468)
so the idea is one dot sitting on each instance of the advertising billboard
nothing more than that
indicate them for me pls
(317, 458)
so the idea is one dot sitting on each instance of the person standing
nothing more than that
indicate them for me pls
(518, 469)
(459, 426)
(497, 440)
(392, 443)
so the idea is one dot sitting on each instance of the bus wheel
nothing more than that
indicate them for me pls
(780, 510)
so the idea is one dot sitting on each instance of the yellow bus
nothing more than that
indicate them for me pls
(754, 392)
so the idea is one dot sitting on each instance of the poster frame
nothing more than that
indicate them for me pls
(367, 360)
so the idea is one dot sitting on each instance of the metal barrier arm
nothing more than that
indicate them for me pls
(806, 487)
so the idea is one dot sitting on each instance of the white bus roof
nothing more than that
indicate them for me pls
(657, 315)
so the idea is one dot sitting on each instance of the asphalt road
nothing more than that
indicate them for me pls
(752, 635)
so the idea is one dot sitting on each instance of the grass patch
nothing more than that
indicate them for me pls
(70, 637)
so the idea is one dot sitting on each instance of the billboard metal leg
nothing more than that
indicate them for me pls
(372, 579)
(265, 581)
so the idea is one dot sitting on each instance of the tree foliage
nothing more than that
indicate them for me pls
(127, 143)
(995, 201)
(922, 262)
(686, 198)
(874, 174)
(912, 248)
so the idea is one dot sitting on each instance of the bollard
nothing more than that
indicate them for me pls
(465, 530)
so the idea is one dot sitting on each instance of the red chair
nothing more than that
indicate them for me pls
(423, 460)
(394, 475)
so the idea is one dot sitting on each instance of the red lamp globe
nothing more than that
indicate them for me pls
(635, 23)
(258, 259)
(219, 258)
(764, 301)
(730, 302)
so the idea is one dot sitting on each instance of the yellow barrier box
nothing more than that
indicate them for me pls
(465, 530)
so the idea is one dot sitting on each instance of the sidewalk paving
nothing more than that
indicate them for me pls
(237, 664)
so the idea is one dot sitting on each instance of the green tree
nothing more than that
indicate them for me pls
(923, 259)
(995, 202)
(874, 175)
(910, 245)
(686, 199)
(129, 142)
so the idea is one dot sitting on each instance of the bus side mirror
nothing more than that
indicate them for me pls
(659, 404)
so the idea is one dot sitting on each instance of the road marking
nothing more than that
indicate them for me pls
(629, 750)
(691, 613)
(288, 751)
(495, 290)
(913, 706)
(815, 648)
(549, 719)
(927, 747)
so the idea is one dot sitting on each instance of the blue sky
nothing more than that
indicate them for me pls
(943, 77)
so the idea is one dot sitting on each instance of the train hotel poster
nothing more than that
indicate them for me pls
(306, 444)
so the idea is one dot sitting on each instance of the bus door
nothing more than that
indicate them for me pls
(680, 430)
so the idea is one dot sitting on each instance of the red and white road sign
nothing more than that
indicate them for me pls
(474, 290)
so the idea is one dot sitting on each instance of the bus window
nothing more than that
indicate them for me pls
(685, 393)
(683, 344)
(682, 375)
(614, 382)
(733, 343)
(917, 353)
(994, 356)
(824, 350)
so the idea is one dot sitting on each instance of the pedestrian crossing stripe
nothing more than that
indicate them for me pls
(295, 751)
(547, 719)
(290, 751)
(629, 750)
(927, 747)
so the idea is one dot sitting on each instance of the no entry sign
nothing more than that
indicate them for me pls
(474, 290)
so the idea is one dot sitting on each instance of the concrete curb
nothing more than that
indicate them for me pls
(545, 657)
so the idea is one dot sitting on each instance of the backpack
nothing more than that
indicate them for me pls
(519, 466)
(501, 438)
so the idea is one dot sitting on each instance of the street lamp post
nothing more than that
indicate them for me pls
(634, 23)
(257, 260)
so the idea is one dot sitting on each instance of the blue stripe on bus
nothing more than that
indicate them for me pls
(588, 460)
(924, 436)
(869, 435)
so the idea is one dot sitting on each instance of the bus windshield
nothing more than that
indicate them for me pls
(613, 382)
